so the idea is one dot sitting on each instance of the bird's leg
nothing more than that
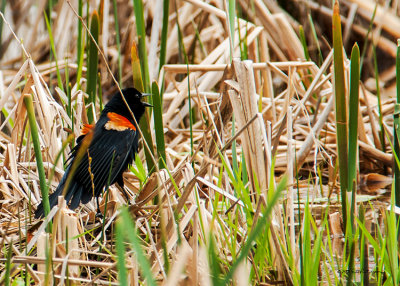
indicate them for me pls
(98, 213)
(122, 189)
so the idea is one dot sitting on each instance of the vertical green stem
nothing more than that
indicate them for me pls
(164, 33)
(232, 15)
(141, 32)
(80, 47)
(68, 89)
(130, 233)
(158, 124)
(118, 41)
(54, 54)
(314, 32)
(144, 66)
(353, 124)
(120, 249)
(365, 45)
(235, 164)
(92, 64)
(304, 43)
(144, 122)
(341, 106)
(38, 153)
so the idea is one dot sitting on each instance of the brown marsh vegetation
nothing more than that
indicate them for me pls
(240, 180)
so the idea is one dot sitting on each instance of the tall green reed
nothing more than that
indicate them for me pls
(141, 32)
(144, 122)
(38, 153)
(126, 232)
(80, 50)
(158, 124)
(118, 42)
(92, 63)
(341, 112)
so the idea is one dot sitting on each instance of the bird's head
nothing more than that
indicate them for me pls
(134, 99)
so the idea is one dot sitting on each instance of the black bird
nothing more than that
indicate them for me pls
(107, 149)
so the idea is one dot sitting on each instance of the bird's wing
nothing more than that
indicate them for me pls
(109, 154)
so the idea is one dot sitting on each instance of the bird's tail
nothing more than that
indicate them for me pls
(74, 195)
(53, 198)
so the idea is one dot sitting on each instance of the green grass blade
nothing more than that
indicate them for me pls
(100, 92)
(363, 246)
(376, 245)
(68, 89)
(304, 43)
(158, 123)
(136, 70)
(118, 42)
(353, 121)
(141, 32)
(92, 59)
(235, 165)
(306, 243)
(59, 80)
(164, 34)
(300, 239)
(317, 249)
(144, 122)
(314, 33)
(350, 267)
(341, 113)
(365, 45)
(38, 153)
(131, 233)
(8, 267)
(243, 44)
(262, 221)
(392, 242)
(139, 170)
(232, 15)
(215, 264)
(398, 72)
(120, 248)
(80, 48)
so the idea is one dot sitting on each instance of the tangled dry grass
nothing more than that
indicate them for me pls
(284, 124)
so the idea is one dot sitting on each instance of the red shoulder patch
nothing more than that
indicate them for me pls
(86, 128)
(118, 122)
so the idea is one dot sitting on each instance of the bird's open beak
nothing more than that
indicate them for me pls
(146, 104)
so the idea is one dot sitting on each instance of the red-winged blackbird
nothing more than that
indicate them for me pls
(111, 146)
